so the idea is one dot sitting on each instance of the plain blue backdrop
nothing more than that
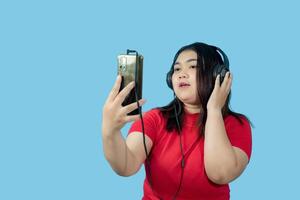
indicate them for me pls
(58, 64)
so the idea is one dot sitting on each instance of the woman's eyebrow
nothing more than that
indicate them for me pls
(187, 61)
(191, 60)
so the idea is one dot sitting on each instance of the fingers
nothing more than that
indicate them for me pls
(130, 118)
(131, 107)
(115, 90)
(124, 92)
(228, 88)
(226, 85)
(217, 81)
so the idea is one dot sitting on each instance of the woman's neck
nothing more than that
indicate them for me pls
(192, 108)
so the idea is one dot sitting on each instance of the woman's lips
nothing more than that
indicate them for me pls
(182, 85)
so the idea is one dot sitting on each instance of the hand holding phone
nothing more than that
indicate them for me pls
(130, 67)
(114, 115)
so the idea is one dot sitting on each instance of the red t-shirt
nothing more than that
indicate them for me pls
(166, 157)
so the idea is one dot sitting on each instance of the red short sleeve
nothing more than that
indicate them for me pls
(152, 119)
(239, 134)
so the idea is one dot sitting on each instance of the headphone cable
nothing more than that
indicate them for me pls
(181, 146)
(147, 162)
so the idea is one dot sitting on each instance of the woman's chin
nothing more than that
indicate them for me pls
(188, 100)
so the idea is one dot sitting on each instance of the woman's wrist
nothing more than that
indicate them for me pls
(214, 111)
(109, 133)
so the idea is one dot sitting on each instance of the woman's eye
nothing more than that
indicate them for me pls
(193, 66)
(176, 69)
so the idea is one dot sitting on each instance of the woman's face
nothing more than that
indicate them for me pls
(184, 77)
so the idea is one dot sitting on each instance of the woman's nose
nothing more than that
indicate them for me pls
(183, 75)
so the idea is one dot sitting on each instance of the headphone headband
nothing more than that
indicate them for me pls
(224, 56)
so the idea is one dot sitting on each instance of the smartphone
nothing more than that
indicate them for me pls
(130, 67)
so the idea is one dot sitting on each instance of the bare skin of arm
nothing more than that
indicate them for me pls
(223, 162)
(124, 156)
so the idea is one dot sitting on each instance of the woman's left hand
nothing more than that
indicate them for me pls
(219, 94)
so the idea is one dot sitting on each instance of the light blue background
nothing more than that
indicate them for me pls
(58, 64)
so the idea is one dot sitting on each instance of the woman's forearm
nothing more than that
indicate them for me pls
(117, 154)
(219, 155)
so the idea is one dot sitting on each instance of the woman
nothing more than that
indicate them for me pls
(195, 145)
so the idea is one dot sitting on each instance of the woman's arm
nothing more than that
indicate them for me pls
(123, 156)
(223, 162)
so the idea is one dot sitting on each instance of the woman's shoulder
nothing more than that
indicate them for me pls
(236, 120)
(238, 129)
(153, 113)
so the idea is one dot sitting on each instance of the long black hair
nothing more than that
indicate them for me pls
(207, 58)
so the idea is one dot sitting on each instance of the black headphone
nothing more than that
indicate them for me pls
(217, 69)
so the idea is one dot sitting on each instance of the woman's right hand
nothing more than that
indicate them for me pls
(114, 115)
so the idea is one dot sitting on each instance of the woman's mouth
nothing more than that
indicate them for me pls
(184, 85)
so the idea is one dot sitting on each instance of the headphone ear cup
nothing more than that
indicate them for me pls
(220, 69)
(169, 80)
